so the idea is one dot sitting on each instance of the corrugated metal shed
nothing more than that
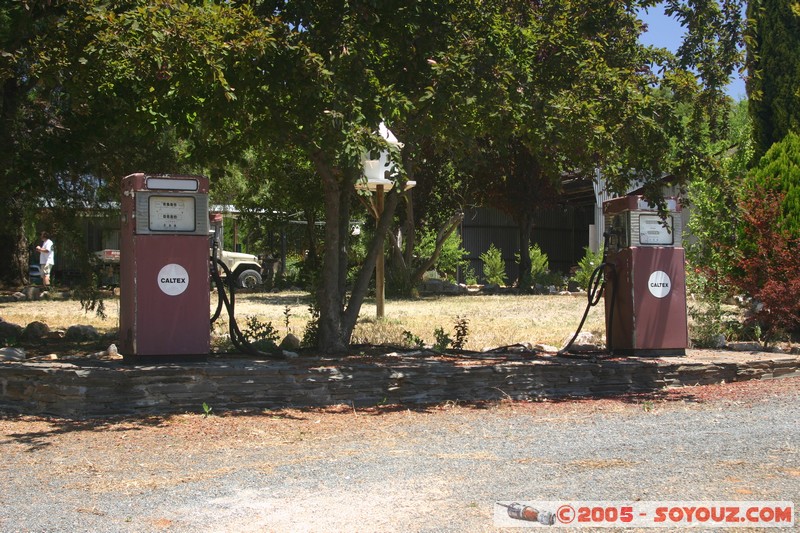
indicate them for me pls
(560, 232)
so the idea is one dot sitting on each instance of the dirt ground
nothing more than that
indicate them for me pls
(149, 473)
(226, 431)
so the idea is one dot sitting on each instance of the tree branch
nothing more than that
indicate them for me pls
(441, 236)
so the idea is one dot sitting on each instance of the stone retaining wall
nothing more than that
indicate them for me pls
(99, 388)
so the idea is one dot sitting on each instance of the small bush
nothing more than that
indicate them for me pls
(494, 267)
(540, 263)
(469, 275)
(442, 340)
(461, 333)
(588, 263)
(769, 265)
(291, 276)
(311, 331)
(261, 335)
(540, 266)
(412, 341)
(451, 257)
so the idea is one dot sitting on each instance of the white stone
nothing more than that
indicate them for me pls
(12, 354)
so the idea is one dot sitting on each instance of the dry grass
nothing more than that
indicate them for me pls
(60, 314)
(492, 320)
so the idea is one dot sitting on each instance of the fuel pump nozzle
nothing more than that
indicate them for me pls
(519, 511)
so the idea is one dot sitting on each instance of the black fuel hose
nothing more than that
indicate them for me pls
(594, 291)
(238, 339)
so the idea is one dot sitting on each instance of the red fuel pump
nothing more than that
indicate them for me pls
(164, 267)
(645, 293)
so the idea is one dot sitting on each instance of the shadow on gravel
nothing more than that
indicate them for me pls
(41, 439)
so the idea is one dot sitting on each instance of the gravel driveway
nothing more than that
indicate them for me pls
(440, 468)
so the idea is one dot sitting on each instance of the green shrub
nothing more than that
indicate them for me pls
(555, 279)
(779, 172)
(461, 328)
(588, 263)
(261, 335)
(540, 263)
(311, 331)
(469, 275)
(292, 272)
(494, 267)
(451, 256)
(540, 266)
(442, 341)
(412, 341)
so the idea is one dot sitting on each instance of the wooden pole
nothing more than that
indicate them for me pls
(379, 266)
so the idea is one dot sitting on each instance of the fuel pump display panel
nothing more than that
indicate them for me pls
(172, 213)
(654, 231)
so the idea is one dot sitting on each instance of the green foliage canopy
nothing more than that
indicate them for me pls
(197, 86)
(779, 172)
(773, 62)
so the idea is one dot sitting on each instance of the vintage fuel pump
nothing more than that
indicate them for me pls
(164, 267)
(645, 294)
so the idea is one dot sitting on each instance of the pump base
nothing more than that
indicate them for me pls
(162, 359)
(660, 352)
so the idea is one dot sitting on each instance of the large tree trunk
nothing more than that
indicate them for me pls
(329, 299)
(13, 244)
(336, 322)
(524, 278)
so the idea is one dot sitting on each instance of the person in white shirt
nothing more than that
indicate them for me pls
(46, 258)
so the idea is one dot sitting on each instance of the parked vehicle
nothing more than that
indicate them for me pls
(246, 268)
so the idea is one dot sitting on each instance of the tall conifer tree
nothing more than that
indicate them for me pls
(773, 58)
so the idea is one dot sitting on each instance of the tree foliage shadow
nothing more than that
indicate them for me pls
(56, 426)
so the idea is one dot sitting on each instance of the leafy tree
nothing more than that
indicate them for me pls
(41, 154)
(580, 94)
(93, 91)
(714, 199)
(779, 171)
(712, 48)
(773, 63)
(714, 224)
(769, 266)
(341, 72)
(444, 189)
(200, 84)
(749, 243)
(276, 190)
(450, 257)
